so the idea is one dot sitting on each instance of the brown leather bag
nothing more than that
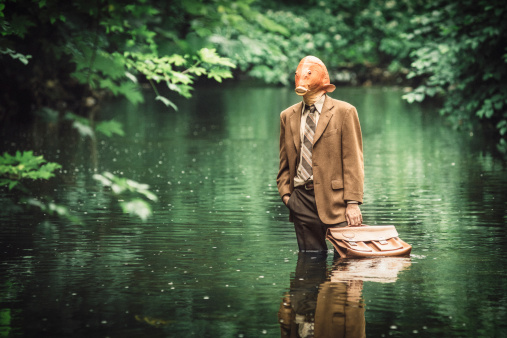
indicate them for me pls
(368, 241)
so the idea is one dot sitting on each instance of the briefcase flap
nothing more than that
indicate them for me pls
(367, 241)
(380, 233)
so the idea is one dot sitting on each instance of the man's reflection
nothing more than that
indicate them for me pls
(326, 302)
(317, 307)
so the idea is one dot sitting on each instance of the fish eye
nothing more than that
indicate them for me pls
(309, 72)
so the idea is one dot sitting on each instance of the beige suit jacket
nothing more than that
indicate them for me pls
(337, 157)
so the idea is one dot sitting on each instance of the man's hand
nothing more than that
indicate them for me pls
(285, 199)
(353, 215)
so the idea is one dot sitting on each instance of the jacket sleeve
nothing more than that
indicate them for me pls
(352, 157)
(283, 178)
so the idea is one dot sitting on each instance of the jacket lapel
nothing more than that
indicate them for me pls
(295, 126)
(325, 116)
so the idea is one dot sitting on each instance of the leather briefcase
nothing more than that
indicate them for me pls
(368, 241)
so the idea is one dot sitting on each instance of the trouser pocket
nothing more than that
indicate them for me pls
(291, 200)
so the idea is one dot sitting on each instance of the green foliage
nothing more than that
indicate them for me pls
(108, 46)
(52, 209)
(168, 69)
(16, 56)
(137, 207)
(123, 45)
(136, 54)
(103, 70)
(461, 57)
(124, 187)
(83, 126)
(109, 128)
(24, 165)
(351, 37)
(85, 49)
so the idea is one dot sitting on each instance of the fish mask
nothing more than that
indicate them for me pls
(312, 79)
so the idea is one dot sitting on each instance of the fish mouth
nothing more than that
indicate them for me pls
(301, 90)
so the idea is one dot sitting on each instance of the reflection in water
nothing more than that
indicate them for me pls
(377, 269)
(198, 268)
(329, 303)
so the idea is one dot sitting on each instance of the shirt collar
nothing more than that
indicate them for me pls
(318, 104)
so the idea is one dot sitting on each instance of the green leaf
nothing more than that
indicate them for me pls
(102, 179)
(12, 184)
(124, 186)
(111, 65)
(218, 74)
(24, 165)
(36, 203)
(177, 77)
(16, 56)
(52, 208)
(109, 128)
(272, 26)
(131, 77)
(138, 208)
(167, 102)
(502, 127)
(74, 117)
(83, 129)
(118, 188)
(131, 92)
(177, 60)
(149, 195)
(7, 182)
(20, 24)
(210, 56)
(183, 90)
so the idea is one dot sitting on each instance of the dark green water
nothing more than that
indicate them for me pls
(219, 253)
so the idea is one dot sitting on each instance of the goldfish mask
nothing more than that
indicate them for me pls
(312, 79)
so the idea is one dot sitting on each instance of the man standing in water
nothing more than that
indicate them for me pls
(321, 172)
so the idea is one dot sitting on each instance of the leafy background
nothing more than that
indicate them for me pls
(61, 60)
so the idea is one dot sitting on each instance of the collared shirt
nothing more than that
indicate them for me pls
(298, 181)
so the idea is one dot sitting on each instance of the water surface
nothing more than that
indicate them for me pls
(218, 255)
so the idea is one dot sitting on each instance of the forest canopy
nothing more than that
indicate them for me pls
(67, 56)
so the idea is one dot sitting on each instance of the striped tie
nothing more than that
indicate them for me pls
(307, 147)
